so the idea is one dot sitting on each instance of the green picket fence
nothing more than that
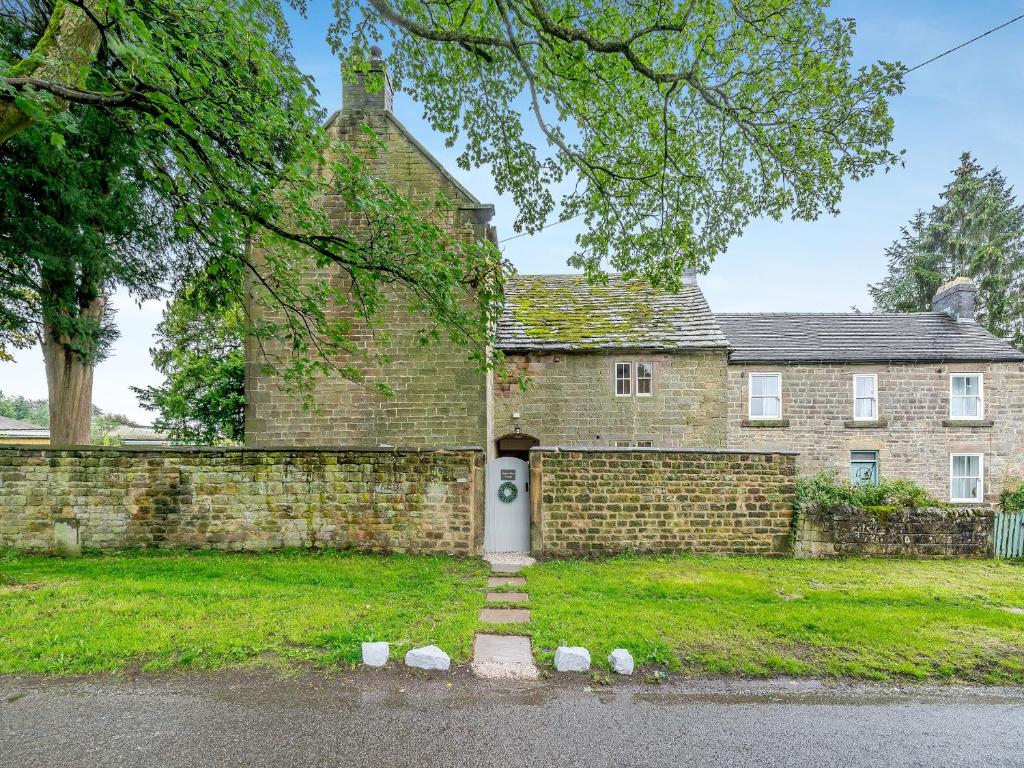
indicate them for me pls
(1009, 534)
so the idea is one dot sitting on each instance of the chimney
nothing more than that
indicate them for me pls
(356, 97)
(956, 299)
(689, 276)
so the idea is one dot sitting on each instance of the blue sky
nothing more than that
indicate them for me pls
(971, 100)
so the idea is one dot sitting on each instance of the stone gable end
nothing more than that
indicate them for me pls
(440, 395)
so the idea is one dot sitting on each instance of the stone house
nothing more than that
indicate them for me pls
(616, 364)
(931, 397)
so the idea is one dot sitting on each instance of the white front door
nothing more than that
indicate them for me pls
(507, 511)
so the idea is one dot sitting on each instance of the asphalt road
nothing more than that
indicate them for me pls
(394, 719)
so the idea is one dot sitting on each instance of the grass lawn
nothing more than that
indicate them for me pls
(755, 616)
(208, 610)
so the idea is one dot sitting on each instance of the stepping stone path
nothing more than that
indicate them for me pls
(507, 657)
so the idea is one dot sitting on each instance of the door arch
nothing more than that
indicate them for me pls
(514, 444)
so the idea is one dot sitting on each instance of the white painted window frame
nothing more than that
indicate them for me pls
(874, 378)
(981, 478)
(750, 395)
(628, 379)
(981, 395)
(636, 377)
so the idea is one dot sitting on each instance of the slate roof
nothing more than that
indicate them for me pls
(789, 337)
(15, 426)
(566, 312)
(138, 434)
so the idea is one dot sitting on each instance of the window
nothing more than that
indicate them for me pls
(644, 379)
(966, 396)
(632, 444)
(765, 398)
(864, 467)
(644, 443)
(623, 379)
(965, 477)
(623, 444)
(865, 397)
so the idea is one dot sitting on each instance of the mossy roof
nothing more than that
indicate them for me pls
(567, 312)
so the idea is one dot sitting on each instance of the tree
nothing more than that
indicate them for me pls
(76, 223)
(678, 121)
(230, 140)
(201, 354)
(977, 231)
(671, 125)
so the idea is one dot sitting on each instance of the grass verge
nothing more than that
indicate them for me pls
(876, 619)
(210, 610)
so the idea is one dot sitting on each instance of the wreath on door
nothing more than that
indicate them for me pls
(507, 492)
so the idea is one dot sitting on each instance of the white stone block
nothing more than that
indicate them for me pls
(428, 657)
(376, 654)
(621, 661)
(572, 659)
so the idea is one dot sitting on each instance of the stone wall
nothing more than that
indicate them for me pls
(440, 396)
(913, 435)
(571, 400)
(924, 533)
(242, 499)
(600, 501)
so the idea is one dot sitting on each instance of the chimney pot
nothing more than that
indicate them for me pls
(957, 299)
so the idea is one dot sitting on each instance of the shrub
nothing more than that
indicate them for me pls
(1012, 499)
(826, 490)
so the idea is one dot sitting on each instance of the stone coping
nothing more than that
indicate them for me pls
(614, 449)
(218, 449)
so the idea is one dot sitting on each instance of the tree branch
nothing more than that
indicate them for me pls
(70, 94)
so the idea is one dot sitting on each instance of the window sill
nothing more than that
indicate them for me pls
(866, 424)
(967, 423)
(765, 423)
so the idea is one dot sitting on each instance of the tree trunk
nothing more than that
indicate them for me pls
(62, 56)
(69, 381)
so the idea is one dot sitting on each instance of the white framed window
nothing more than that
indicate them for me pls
(765, 395)
(623, 379)
(644, 379)
(966, 396)
(623, 444)
(967, 477)
(644, 443)
(865, 396)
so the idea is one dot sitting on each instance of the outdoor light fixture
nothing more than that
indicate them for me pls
(515, 423)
